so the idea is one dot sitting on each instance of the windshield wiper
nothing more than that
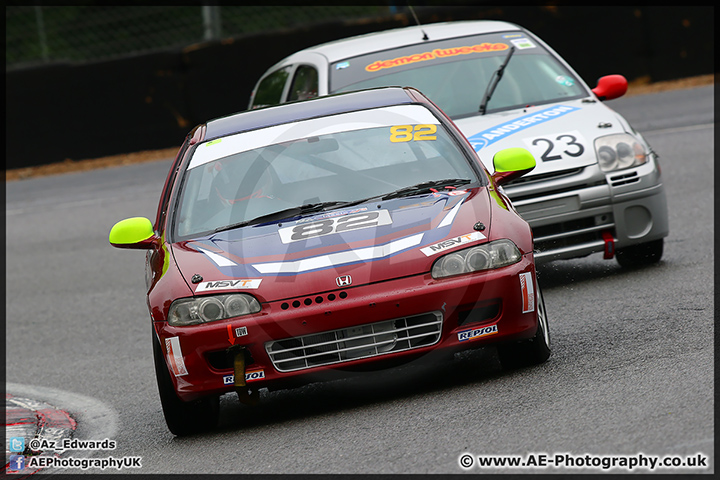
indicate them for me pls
(281, 214)
(422, 187)
(494, 80)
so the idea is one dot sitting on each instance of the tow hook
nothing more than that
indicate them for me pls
(246, 395)
(609, 245)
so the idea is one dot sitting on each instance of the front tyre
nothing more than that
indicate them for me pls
(641, 254)
(529, 352)
(182, 418)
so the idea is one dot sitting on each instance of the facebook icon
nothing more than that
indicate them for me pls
(17, 462)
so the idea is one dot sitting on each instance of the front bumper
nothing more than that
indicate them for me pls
(570, 211)
(473, 310)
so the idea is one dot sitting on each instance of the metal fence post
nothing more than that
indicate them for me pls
(211, 22)
(41, 33)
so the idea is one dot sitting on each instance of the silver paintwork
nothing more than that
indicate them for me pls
(568, 206)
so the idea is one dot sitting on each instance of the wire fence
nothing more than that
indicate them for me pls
(42, 34)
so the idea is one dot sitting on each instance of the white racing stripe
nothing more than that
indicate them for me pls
(340, 258)
(219, 260)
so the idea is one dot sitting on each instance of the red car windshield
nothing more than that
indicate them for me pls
(339, 158)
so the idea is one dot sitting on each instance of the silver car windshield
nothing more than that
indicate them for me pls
(455, 73)
(340, 158)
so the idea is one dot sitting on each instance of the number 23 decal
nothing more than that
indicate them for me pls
(556, 147)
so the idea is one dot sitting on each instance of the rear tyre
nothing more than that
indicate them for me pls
(529, 352)
(182, 418)
(640, 255)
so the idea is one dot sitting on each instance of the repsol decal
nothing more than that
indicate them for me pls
(451, 242)
(249, 377)
(474, 333)
(328, 226)
(239, 284)
(499, 132)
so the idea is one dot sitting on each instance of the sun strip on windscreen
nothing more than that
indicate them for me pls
(345, 122)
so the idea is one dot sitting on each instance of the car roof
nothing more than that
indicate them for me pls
(300, 110)
(400, 37)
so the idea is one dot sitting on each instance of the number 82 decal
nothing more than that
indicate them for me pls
(327, 226)
(405, 133)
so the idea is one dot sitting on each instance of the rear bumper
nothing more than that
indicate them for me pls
(474, 309)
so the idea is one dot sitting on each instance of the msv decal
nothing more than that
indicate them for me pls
(451, 242)
(499, 132)
(243, 283)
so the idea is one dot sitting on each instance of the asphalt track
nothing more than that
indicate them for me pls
(631, 372)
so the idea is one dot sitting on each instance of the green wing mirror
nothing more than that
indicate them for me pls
(512, 163)
(136, 232)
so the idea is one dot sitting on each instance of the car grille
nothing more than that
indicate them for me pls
(362, 341)
(544, 176)
(624, 179)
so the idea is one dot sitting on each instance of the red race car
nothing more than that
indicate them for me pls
(353, 231)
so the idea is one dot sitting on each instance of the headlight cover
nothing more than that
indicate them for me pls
(194, 311)
(619, 151)
(488, 256)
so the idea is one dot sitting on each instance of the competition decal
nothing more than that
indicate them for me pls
(416, 133)
(499, 132)
(249, 377)
(473, 333)
(174, 356)
(451, 243)
(557, 147)
(522, 43)
(528, 292)
(239, 332)
(436, 53)
(239, 284)
(332, 225)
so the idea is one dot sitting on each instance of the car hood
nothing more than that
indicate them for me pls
(369, 243)
(560, 135)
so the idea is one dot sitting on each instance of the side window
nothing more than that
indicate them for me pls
(269, 92)
(304, 84)
(195, 134)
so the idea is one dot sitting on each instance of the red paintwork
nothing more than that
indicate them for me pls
(388, 288)
(610, 87)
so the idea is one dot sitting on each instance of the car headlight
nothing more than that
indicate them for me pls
(194, 311)
(616, 152)
(488, 256)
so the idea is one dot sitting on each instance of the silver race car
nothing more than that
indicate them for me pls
(597, 185)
